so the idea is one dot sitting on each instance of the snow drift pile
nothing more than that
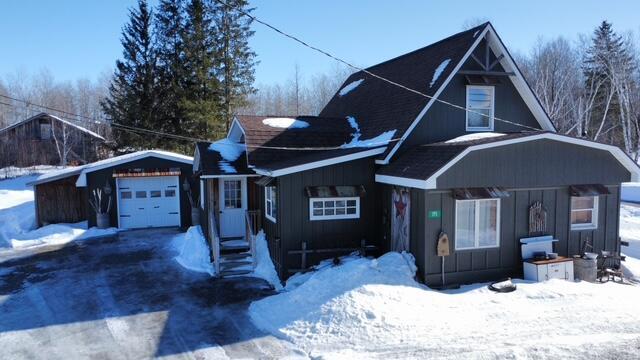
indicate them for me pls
(193, 252)
(264, 266)
(374, 308)
(58, 234)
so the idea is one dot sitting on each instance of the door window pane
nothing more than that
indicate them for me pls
(232, 194)
(155, 193)
(141, 194)
(169, 193)
(125, 195)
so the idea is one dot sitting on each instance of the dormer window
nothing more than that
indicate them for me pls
(480, 102)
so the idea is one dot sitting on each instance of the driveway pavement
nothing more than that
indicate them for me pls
(126, 298)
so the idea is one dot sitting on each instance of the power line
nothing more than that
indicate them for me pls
(138, 130)
(323, 52)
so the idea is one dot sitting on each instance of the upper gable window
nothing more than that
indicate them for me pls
(480, 102)
(45, 131)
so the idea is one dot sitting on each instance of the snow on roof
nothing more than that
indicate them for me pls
(474, 136)
(349, 87)
(285, 123)
(57, 174)
(230, 151)
(380, 140)
(438, 71)
(354, 124)
(102, 164)
(76, 126)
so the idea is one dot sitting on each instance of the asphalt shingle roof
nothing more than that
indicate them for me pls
(379, 106)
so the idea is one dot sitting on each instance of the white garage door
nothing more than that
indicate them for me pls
(148, 202)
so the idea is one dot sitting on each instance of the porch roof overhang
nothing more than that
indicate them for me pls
(422, 168)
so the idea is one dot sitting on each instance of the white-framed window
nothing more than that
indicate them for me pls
(477, 224)
(584, 212)
(270, 203)
(334, 208)
(45, 131)
(480, 100)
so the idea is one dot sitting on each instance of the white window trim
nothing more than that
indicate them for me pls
(493, 108)
(476, 222)
(334, 217)
(594, 214)
(267, 199)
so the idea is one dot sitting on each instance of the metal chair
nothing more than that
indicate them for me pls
(609, 267)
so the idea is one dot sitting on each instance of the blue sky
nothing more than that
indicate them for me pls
(75, 38)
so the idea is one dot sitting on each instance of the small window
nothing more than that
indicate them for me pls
(334, 208)
(155, 193)
(125, 195)
(270, 203)
(584, 212)
(169, 193)
(477, 224)
(480, 102)
(45, 131)
(141, 194)
(232, 194)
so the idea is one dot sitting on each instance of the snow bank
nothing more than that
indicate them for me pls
(264, 266)
(58, 234)
(438, 71)
(17, 212)
(374, 308)
(285, 123)
(349, 87)
(630, 231)
(193, 252)
(474, 136)
(308, 302)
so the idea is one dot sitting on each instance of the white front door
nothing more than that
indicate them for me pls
(233, 204)
(148, 202)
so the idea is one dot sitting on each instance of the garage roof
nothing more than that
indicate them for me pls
(123, 159)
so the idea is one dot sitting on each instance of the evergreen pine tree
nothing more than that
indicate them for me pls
(169, 26)
(132, 97)
(236, 60)
(201, 85)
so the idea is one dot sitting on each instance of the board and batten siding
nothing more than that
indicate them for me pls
(443, 122)
(60, 201)
(466, 266)
(534, 163)
(293, 221)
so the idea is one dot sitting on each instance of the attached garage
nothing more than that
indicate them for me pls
(145, 189)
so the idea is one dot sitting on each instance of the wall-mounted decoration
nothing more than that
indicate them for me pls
(537, 219)
(401, 204)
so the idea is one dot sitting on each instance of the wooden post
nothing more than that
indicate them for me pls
(303, 265)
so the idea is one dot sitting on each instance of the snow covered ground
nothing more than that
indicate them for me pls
(193, 252)
(17, 216)
(373, 309)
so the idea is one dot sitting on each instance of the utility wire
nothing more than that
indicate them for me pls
(325, 53)
(137, 130)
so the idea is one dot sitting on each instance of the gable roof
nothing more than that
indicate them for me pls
(40, 115)
(311, 142)
(123, 159)
(211, 162)
(421, 166)
(380, 106)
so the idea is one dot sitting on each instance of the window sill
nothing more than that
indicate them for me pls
(271, 219)
(580, 228)
(479, 129)
(479, 248)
